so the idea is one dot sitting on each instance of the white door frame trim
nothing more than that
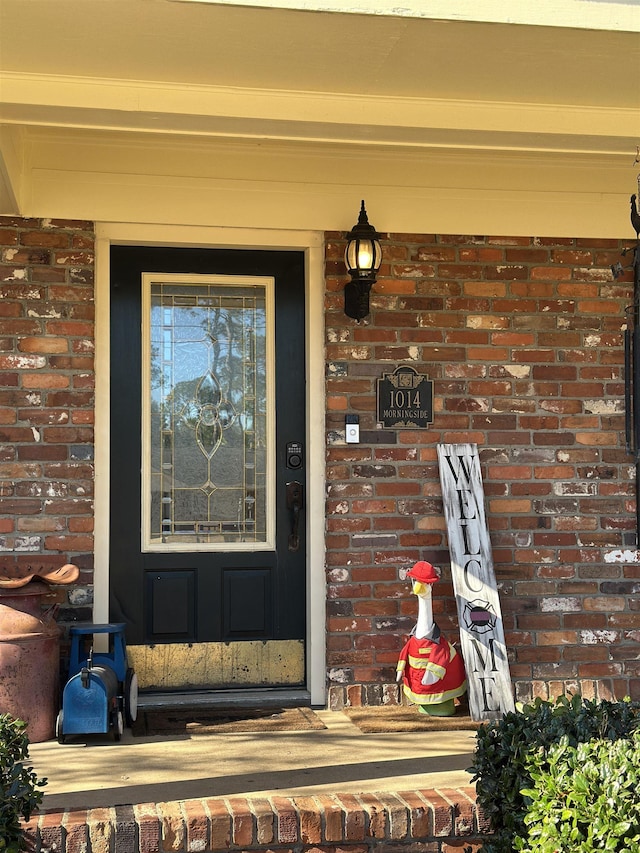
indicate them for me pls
(312, 243)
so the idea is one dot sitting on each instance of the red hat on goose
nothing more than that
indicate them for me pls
(423, 572)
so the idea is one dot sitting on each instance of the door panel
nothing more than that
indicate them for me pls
(205, 403)
(247, 616)
(170, 598)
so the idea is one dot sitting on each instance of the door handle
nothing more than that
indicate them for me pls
(295, 503)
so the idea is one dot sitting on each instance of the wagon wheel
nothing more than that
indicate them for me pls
(117, 723)
(59, 731)
(130, 697)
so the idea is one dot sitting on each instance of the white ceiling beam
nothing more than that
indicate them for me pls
(89, 103)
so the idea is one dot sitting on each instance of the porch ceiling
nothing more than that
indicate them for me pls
(162, 41)
(183, 69)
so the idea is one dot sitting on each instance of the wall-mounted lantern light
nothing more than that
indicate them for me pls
(363, 257)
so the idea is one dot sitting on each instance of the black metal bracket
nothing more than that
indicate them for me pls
(632, 371)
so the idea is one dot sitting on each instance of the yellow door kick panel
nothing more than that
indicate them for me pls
(187, 666)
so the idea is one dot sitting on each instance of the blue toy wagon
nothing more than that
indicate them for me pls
(101, 694)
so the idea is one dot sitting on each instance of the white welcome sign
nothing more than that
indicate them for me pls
(474, 582)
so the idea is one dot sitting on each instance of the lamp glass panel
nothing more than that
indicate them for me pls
(363, 256)
(377, 251)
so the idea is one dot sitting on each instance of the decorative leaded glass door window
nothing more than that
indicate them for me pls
(208, 413)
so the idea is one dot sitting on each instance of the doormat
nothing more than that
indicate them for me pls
(378, 719)
(192, 721)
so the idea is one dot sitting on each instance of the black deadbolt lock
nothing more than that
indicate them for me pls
(294, 455)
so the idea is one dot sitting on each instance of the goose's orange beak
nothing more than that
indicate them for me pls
(419, 588)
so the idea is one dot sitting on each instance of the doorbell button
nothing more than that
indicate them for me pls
(353, 434)
(352, 429)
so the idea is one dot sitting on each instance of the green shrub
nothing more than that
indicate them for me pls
(18, 783)
(501, 764)
(584, 798)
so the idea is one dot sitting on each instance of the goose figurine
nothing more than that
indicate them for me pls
(430, 669)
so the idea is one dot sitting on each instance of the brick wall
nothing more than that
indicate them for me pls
(47, 400)
(522, 339)
(442, 821)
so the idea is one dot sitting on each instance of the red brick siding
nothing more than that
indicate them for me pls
(47, 398)
(432, 821)
(523, 341)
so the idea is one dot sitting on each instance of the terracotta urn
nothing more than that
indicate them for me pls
(29, 659)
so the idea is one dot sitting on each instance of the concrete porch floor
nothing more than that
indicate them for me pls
(99, 772)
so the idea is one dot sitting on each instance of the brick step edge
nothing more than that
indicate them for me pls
(445, 819)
